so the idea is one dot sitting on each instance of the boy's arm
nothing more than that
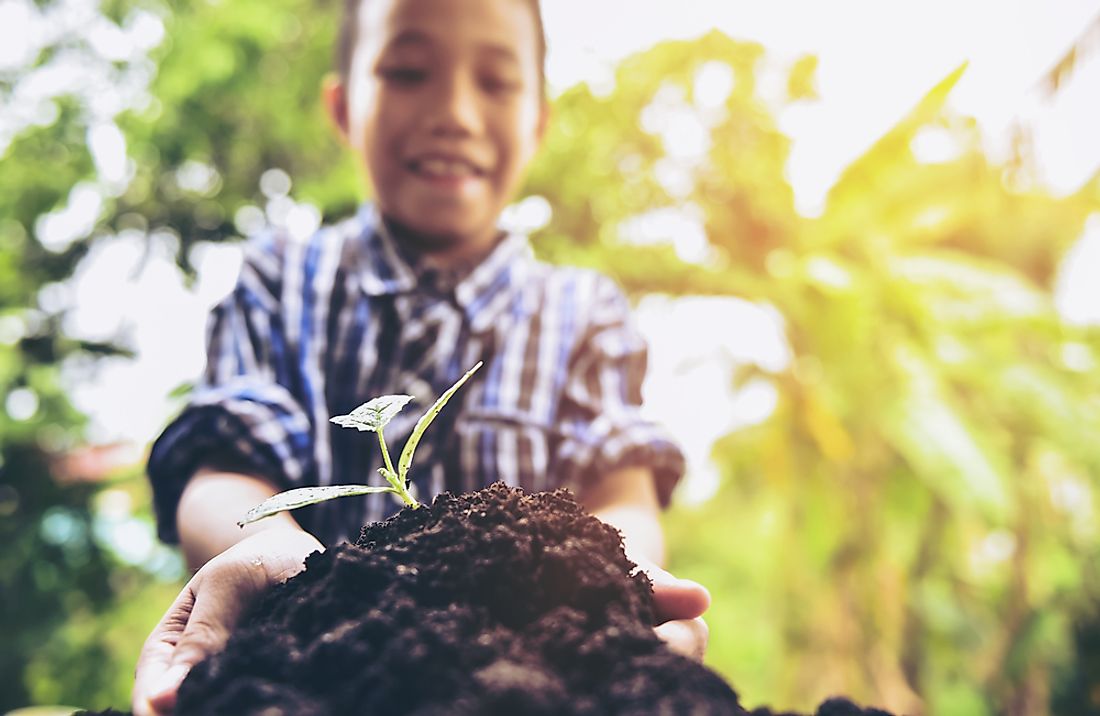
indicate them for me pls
(627, 500)
(211, 505)
(241, 416)
(234, 566)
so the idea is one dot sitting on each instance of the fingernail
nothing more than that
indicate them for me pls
(170, 681)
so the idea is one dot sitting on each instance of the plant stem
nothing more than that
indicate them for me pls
(395, 480)
(385, 454)
(405, 495)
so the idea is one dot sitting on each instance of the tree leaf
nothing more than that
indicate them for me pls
(941, 444)
(425, 420)
(374, 414)
(303, 496)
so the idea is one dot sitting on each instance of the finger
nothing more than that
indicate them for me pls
(677, 598)
(162, 699)
(156, 654)
(224, 593)
(685, 636)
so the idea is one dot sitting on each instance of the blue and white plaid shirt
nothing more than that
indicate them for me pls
(316, 328)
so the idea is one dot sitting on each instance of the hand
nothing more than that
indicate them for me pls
(679, 605)
(200, 620)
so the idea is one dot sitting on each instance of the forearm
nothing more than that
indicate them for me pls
(210, 507)
(627, 500)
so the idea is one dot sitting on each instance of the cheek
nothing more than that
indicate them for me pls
(370, 129)
(530, 118)
(376, 144)
(522, 142)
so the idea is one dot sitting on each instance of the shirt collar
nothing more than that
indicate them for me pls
(482, 294)
(382, 270)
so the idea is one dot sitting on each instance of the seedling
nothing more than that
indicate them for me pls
(371, 416)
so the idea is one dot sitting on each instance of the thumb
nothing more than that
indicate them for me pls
(155, 660)
(199, 640)
(218, 603)
(675, 598)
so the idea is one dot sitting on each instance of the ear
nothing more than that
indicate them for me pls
(335, 97)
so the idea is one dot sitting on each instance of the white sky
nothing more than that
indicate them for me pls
(877, 58)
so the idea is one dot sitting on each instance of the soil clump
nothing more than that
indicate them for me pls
(488, 603)
(492, 602)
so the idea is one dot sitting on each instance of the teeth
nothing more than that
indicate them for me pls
(445, 168)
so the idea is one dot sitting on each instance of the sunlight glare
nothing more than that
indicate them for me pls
(19, 34)
(1076, 291)
(58, 229)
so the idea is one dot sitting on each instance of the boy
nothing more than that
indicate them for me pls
(444, 103)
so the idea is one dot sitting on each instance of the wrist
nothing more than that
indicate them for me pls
(643, 540)
(288, 537)
(210, 508)
(277, 553)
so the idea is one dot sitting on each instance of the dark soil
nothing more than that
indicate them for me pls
(490, 603)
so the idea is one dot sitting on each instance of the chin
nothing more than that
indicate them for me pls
(446, 229)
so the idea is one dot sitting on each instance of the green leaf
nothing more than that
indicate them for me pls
(426, 419)
(979, 286)
(303, 496)
(940, 443)
(374, 414)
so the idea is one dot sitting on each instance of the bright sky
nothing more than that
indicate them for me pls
(877, 58)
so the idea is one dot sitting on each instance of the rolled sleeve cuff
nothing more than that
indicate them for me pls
(591, 451)
(244, 429)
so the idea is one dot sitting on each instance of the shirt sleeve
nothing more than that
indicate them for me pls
(242, 416)
(601, 420)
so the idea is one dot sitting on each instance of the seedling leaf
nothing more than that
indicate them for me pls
(371, 416)
(405, 461)
(302, 496)
(374, 414)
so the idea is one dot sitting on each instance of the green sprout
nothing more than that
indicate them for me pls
(371, 416)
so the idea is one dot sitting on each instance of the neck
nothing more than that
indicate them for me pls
(448, 252)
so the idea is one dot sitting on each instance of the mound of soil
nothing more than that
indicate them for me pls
(490, 603)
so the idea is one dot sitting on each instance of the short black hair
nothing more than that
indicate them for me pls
(349, 23)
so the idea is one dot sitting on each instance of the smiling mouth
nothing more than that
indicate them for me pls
(440, 168)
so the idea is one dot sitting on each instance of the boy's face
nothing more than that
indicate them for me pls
(443, 102)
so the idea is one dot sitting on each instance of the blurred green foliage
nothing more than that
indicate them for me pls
(43, 579)
(237, 91)
(915, 523)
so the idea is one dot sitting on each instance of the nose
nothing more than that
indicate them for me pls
(457, 110)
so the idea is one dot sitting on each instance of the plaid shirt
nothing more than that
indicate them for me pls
(314, 329)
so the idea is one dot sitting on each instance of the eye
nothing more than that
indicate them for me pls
(499, 85)
(403, 76)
